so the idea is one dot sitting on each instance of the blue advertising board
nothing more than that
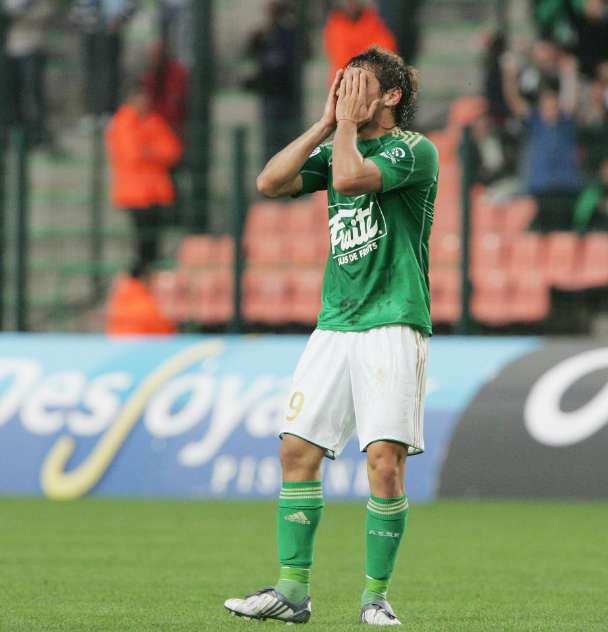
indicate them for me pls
(194, 416)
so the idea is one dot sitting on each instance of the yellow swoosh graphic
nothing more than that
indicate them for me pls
(61, 485)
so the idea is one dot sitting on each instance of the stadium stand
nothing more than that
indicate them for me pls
(512, 271)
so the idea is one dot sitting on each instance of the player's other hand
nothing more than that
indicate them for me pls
(329, 113)
(352, 102)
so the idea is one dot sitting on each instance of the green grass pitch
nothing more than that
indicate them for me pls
(131, 566)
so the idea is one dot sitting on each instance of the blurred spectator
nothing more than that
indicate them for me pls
(591, 211)
(593, 125)
(553, 20)
(553, 176)
(403, 19)
(595, 107)
(494, 46)
(590, 23)
(493, 158)
(132, 309)
(540, 70)
(352, 28)
(26, 49)
(142, 149)
(102, 23)
(166, 83)
(273, 50)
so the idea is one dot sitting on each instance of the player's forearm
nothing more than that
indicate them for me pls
(347, 166)
(285, 166)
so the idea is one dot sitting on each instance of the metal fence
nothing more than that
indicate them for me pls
(63, 243)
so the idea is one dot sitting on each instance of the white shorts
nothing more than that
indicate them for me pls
(371, 380)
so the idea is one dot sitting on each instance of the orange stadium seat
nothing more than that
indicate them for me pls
(319, 203)
(449, 179)
(487, 254)
(445, 294)
(446, 143)
(224, 249)
(563, 260)
(447, 216)
(267, 248)
(323, 245)
(447, 204)
(170, 287)
(306, 248)
(263, 219)
(305, 287)
(530, 300)
(490, 300)
(202, 250)
(526, 255)
(300, 218)
(465, 110)
(485, 216)
(211, 298)
(595, 260)
(197, 250)
(517, 215)
(445, 248)
(266, 296)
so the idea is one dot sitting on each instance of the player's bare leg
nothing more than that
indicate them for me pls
(385, 525)
(300, 460)
(386, 468)
(298, 516)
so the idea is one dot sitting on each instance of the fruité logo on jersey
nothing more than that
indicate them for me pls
(354, 230)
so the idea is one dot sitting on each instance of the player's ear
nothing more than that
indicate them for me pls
(392, 97)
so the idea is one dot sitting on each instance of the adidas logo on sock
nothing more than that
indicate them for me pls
(299, 517)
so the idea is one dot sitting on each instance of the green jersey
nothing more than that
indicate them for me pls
(378, 264)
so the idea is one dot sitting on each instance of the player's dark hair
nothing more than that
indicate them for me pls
(392, 72)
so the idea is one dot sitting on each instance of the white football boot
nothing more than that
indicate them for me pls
(378, 614)
(269, 604)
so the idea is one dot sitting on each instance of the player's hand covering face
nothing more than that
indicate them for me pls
(358, 97)
(329, 113)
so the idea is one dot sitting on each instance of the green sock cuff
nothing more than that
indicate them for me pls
(387, 508)
(293, 574)
(388, 501)
(305, 494)
(378, 586)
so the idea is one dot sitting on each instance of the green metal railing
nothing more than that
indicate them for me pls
(97, 188)
(4, 117)
(66, 242)
(465, 326)
(21, 227)
(199, 150)
(239, 215)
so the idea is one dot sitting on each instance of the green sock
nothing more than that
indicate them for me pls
(298, 516)
(385, 525)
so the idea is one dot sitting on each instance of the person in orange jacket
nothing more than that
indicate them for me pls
(132, 309)
(142, 148)
(352, 28)
(166, 82)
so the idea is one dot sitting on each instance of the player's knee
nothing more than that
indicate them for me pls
(384, 469)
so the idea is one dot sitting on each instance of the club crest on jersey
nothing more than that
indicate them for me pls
(394, 155)
(354, 231)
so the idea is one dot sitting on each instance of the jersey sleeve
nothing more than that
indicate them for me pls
(314, 172)
(407, 164)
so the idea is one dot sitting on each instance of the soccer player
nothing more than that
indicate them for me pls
(365, 365)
